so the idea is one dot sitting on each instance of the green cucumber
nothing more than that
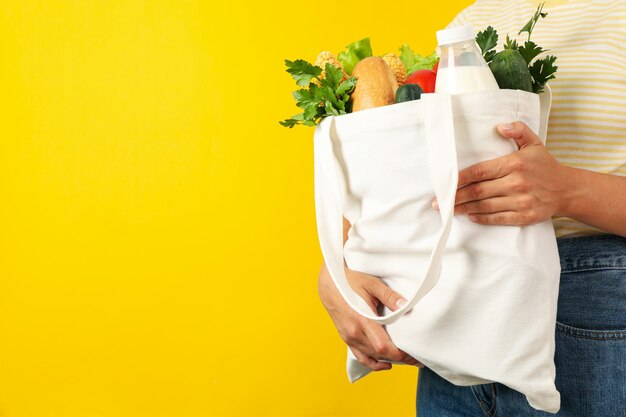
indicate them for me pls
(408, 92)
(511, 71)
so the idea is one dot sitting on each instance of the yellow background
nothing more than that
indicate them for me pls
(158, 250)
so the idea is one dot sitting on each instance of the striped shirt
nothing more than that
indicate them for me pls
(587, 125)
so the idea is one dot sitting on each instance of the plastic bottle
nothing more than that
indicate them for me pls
(462, 68)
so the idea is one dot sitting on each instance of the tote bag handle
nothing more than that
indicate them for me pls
(442, 156)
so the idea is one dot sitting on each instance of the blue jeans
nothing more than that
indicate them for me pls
(590, 355)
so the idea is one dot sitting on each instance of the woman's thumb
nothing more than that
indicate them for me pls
(391, 299)
(520, 133)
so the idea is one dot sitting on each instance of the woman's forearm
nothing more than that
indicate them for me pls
(598, 200)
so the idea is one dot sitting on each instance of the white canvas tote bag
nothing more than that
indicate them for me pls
(481, 299)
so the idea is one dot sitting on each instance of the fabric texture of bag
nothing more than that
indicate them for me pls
(481, 299)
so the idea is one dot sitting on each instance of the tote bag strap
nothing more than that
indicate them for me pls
(439, 132)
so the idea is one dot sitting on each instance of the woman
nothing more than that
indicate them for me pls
(578, 180)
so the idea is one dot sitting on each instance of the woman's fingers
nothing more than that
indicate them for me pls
(374, 291)
(481, 190)
(367, 339)
(521, 133)
(484, 171)
(490, 205)
(370, 338)
(410, 360)
(372, 346)
(380, 347)
(503, 194)
(510, 218)
(368, 361)
(379, 290)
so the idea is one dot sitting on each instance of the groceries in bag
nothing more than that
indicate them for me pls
(517, 67)
(328, 86)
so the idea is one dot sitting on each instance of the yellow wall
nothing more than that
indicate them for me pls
(158, 251)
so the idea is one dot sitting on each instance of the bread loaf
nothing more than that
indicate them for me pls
(376, 84)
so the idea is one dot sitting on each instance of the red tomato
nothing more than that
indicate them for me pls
(436, 66)
(424, 78)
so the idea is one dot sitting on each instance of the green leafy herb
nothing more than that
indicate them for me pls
(511, 44)
(328, 96)
(301, 71)
(414, 62)
(530, 50)
(354, 53)
(542, 70)
(487, 41)
(528, 27)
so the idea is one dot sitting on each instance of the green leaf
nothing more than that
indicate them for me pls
(304, 98)
(296, 119)
(489, 56)
(414, 62)
(302, 95)
(329, 97)
(302, 71)
(406, 55)
(487, 40)
(510, 43)
(530, 50)
(528, 27)
(424, 62)
(330, 109)
(541, 71)
(315, 92)
(333, 76)
(346, 87)
(310, 112)
(341, 106)
(354, 53)
(325, 93)
(288, 123)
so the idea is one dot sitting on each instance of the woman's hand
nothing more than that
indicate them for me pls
(525, 187)
(367, 339)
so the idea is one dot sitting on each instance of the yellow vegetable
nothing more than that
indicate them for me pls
(324, 58)
(398, 67)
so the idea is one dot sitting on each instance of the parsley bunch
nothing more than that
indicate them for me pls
(541, 70)
(328, 96)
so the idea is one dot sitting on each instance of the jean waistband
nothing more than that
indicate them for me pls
(592, 252)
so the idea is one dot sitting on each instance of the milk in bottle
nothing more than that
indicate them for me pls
(462, 68)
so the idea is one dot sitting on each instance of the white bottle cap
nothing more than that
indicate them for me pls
(454, 35)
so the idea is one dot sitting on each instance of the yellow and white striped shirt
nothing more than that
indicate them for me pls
(587, 127)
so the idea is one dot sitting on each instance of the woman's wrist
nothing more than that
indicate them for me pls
(574, 189)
